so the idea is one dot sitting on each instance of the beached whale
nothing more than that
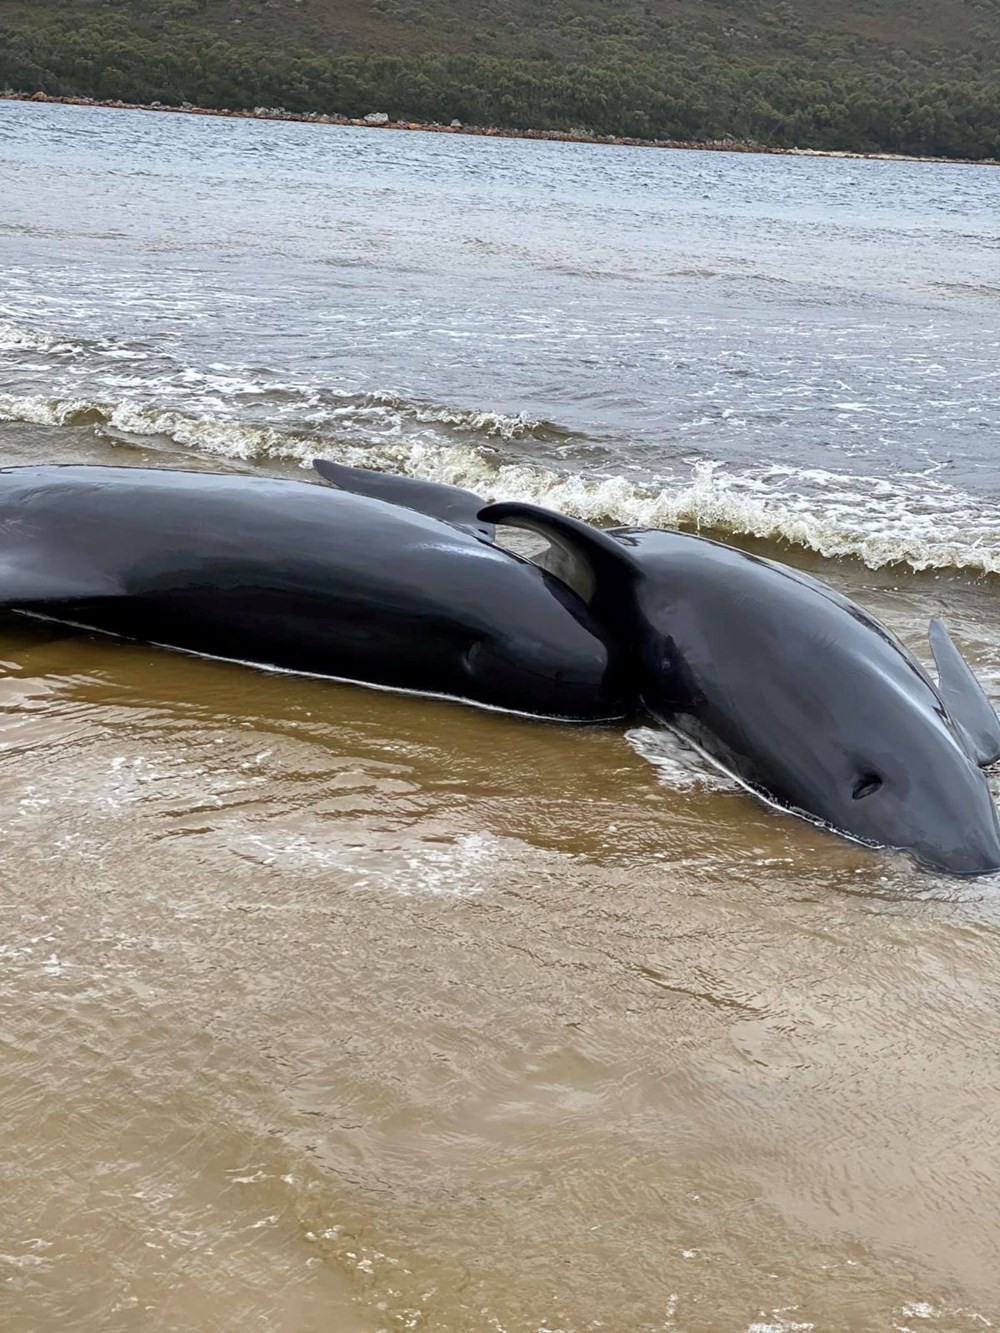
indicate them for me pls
(305, 578)
(793, 689)
(387, 581)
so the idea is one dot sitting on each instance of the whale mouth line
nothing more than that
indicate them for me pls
(772, 802)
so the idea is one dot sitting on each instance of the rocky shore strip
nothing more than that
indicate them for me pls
(380, 120)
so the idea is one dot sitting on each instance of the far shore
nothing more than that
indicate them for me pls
(380, 121)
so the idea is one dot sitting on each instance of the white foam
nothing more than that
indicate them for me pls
(780, 1325)
(40, 411)
(14, 337)
(914, 519)
(463, 867)
(496, 425)
(678, 764)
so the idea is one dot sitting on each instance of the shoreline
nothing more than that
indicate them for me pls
(380, 121)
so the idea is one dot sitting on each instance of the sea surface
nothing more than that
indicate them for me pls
(327, 1009)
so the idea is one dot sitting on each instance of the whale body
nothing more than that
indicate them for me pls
(799, 693)
(287, 574)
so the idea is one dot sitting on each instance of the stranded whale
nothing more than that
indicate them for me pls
(388, 581)
(792, 688)
(795, 690)
(306, 578)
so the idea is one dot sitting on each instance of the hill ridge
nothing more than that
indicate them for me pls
(899, 76)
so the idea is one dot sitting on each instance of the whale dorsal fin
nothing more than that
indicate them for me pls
(434, 498)
(965, 698)
(592, 563)
(40, 577)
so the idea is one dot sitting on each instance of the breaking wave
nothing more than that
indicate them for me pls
(494, 425)
(914, 520)
(14, 337)
(112, 365)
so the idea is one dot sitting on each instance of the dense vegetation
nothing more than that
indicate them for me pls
(908, 76)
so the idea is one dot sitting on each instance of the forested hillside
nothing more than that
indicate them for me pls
(908, 76)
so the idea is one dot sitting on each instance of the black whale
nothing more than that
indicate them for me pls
(306, 578)
(795, 690)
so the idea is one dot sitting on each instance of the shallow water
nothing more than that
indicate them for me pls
(328, 1008)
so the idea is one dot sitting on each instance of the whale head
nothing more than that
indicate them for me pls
(865, 753)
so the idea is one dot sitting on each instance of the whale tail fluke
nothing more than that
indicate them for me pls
(597, 566)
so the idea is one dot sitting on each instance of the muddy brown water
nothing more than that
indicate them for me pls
(330, 1009)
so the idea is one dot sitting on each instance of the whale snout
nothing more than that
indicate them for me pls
(965, 840)
(972, 857)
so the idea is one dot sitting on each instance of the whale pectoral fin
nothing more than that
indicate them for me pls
(434, 498)
(964, 698)
(590, 562)
(40, 577)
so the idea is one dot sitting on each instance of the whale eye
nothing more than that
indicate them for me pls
(866, 785)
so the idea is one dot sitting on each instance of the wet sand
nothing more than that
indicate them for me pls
(327, 1008)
